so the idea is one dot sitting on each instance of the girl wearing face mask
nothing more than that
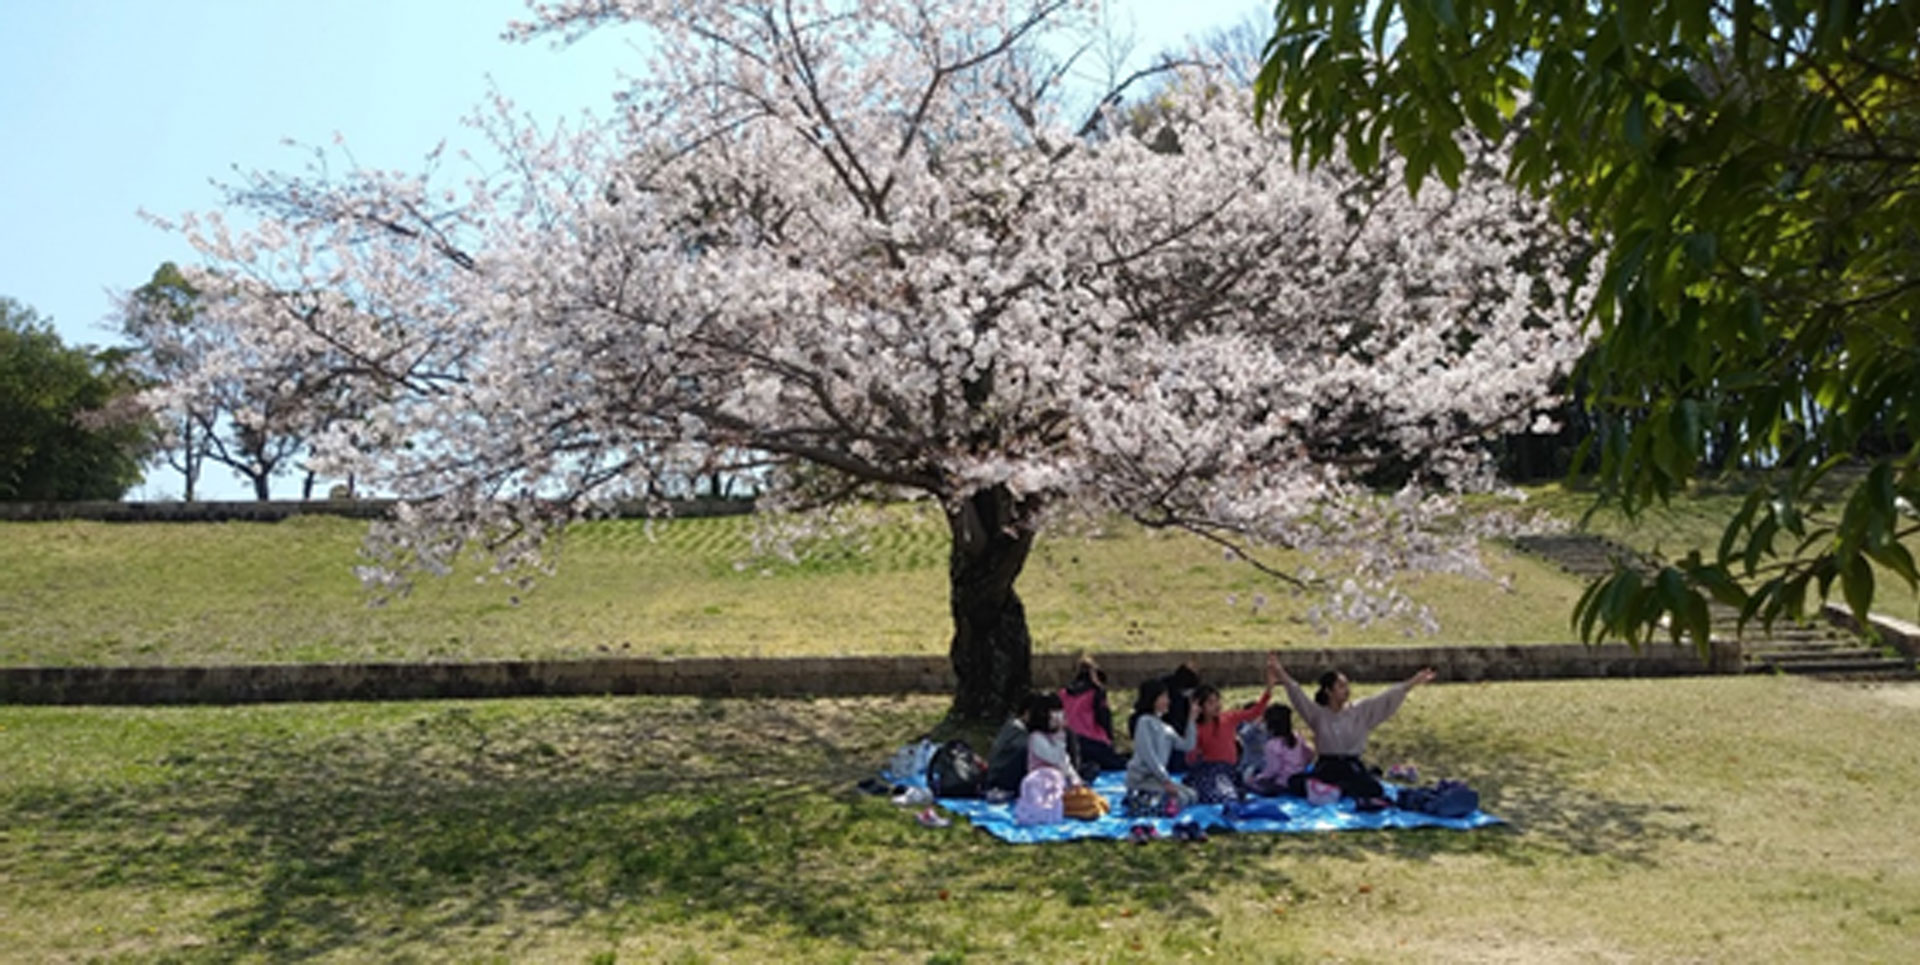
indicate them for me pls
(1047, 737)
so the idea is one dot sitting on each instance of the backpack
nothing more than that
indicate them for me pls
(1041, 794)
(1447, 799)
(912, 758)
(956, 771)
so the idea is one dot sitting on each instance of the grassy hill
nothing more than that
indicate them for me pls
(75, 593)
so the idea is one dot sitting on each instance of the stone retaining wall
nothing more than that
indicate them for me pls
(800, 676)
(273, 511)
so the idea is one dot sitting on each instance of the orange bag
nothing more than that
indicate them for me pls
(1084, 803)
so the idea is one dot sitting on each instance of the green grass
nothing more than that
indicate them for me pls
(1724, 819)
(76, 593)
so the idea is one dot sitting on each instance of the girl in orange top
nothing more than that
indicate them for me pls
(1214, 760)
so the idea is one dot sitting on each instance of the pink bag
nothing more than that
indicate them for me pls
(1041, 797)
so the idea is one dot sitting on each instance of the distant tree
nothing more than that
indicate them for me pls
(254, 420)
(155, 317)
(1754, 171)
(69, 426)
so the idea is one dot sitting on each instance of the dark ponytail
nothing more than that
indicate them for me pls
(1325, 693)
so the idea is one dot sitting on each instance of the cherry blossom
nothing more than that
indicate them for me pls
(890, 248)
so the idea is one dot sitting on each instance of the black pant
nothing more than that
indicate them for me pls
(1100, 754)
(1352, 777)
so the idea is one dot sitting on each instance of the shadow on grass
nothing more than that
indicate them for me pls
(622, 814)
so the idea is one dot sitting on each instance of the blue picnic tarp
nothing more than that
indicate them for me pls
(1302, 817)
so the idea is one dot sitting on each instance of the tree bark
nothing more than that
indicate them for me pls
(189, 466)
(992, 652)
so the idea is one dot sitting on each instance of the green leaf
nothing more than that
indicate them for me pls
(1764, 597)
(1634, 124)
(1897, 558)
(1702, 248)
(1737, 525)
(1672, 596)
(1793, 596)
(1856, 580)
(1721, 586)
(1761, 543)
(1680, 89)
(1587, 610)
(1699, 622)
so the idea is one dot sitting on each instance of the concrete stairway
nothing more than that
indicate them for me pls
(1818, 649)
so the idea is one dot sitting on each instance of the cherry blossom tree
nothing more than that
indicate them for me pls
(253, 419)
(892, 247)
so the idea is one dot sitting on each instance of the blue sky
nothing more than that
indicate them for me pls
(109, 107)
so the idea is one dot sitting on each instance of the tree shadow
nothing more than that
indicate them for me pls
(625, 813)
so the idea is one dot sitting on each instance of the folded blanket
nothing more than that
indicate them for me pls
(997, 819)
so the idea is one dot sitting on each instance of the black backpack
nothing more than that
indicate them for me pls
(956, 771)
(1447, 799)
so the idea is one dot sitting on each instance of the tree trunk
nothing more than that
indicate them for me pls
(991, 651)
(189, 466)
(260, 491)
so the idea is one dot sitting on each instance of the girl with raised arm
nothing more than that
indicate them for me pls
(1340, 729)
(1213, 764)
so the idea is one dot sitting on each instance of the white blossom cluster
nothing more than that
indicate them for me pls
(881, 244)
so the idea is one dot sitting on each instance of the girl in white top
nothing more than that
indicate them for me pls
(1047, 737)
(1154, 742)
(1340, 728)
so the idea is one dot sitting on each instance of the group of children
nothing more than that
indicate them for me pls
(1187, 748)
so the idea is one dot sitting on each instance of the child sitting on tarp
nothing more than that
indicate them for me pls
(1050, 769)
(1155, 743)
(1284, 757)
(1089, 718)
(1007, 759)
(1213, 763)
(1340, 730)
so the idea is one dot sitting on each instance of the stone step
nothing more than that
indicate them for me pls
(1813, 649)
(1888, 666)
(1807, 647)
(1758, 632)
(1811, 654)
